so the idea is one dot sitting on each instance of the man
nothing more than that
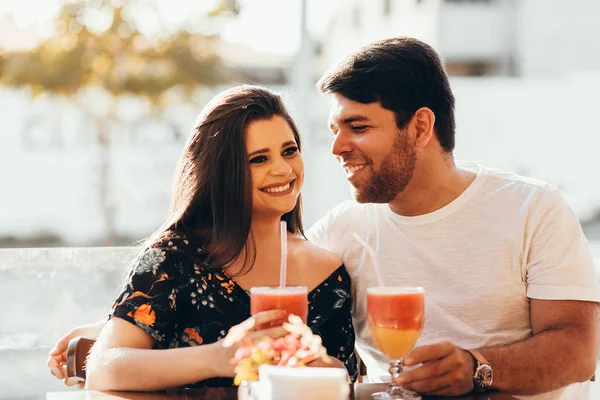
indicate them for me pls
(505, 266)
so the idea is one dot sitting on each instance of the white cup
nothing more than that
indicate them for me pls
(304, 383)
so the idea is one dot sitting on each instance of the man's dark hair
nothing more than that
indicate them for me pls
(402, 74)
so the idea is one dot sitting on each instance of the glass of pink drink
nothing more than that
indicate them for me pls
(396, 316)
(293, 299)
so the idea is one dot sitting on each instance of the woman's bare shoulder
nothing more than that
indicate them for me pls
(311, 264)
(316, 256)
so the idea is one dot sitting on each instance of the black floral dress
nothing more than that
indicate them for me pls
(181, 301)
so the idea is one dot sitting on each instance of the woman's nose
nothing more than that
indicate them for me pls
(281, 168)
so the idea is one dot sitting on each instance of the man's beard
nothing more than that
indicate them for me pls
(392, 177)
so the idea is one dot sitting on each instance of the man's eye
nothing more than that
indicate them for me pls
(290, 151)
(258, 160)
(359, 128)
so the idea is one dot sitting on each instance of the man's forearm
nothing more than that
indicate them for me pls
(546, 361)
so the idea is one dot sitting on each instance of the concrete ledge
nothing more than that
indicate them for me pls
(44, 293)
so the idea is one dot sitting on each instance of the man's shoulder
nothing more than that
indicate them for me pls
(514, 183)
(349, 208)
(331, 230)
(346, 215)
(518, 179)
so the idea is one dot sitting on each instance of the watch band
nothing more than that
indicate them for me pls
(478, 356)
(483, 375)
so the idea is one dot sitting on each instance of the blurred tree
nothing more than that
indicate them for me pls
(99, 43)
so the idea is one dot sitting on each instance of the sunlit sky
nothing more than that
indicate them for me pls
(266, 25)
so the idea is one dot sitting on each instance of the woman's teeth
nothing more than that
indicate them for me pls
(278, 189)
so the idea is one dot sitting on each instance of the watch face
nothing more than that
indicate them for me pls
(483, 377)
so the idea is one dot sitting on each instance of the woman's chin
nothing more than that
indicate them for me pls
(273, 212)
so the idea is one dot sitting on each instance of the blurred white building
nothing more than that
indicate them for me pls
(532, 114)
(525, 38)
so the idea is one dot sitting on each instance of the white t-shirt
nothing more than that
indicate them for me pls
(480, 258)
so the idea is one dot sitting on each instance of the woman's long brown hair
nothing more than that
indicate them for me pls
(212, 192)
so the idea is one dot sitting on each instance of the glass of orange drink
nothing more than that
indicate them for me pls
(292, 299)
(396, 316)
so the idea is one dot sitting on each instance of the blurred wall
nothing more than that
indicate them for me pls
(49, 183)
(44, 293)
(528, 38)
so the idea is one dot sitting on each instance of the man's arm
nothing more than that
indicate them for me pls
(562, 350)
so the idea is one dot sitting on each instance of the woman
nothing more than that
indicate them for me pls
(240, 174)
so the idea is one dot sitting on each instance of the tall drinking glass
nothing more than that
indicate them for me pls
(293, 299)
(395, 316)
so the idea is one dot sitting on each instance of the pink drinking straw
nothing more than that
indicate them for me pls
(283, 268)
(373, 258)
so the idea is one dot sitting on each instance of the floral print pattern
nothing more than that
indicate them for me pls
(175, 296)
(144, 315)
(192, 337)
(150, 262)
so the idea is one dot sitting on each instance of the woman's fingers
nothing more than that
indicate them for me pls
(252, 324)
(265, 317)
(275, 332)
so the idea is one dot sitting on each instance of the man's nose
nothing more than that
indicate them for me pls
(341, 143)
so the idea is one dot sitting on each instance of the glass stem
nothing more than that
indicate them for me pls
(395, 391)
(395, 370)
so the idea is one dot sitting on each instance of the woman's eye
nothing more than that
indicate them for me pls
(258, 160)
(290, 151)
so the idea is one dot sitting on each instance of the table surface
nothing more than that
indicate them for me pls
(362, 391)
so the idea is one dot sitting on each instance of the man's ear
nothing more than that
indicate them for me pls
(423, 122)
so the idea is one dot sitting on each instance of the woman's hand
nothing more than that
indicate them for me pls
(333, 363)
(57, 358)
(249, 330)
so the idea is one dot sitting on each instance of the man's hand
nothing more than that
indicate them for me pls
(446, 371)
(57, 358)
